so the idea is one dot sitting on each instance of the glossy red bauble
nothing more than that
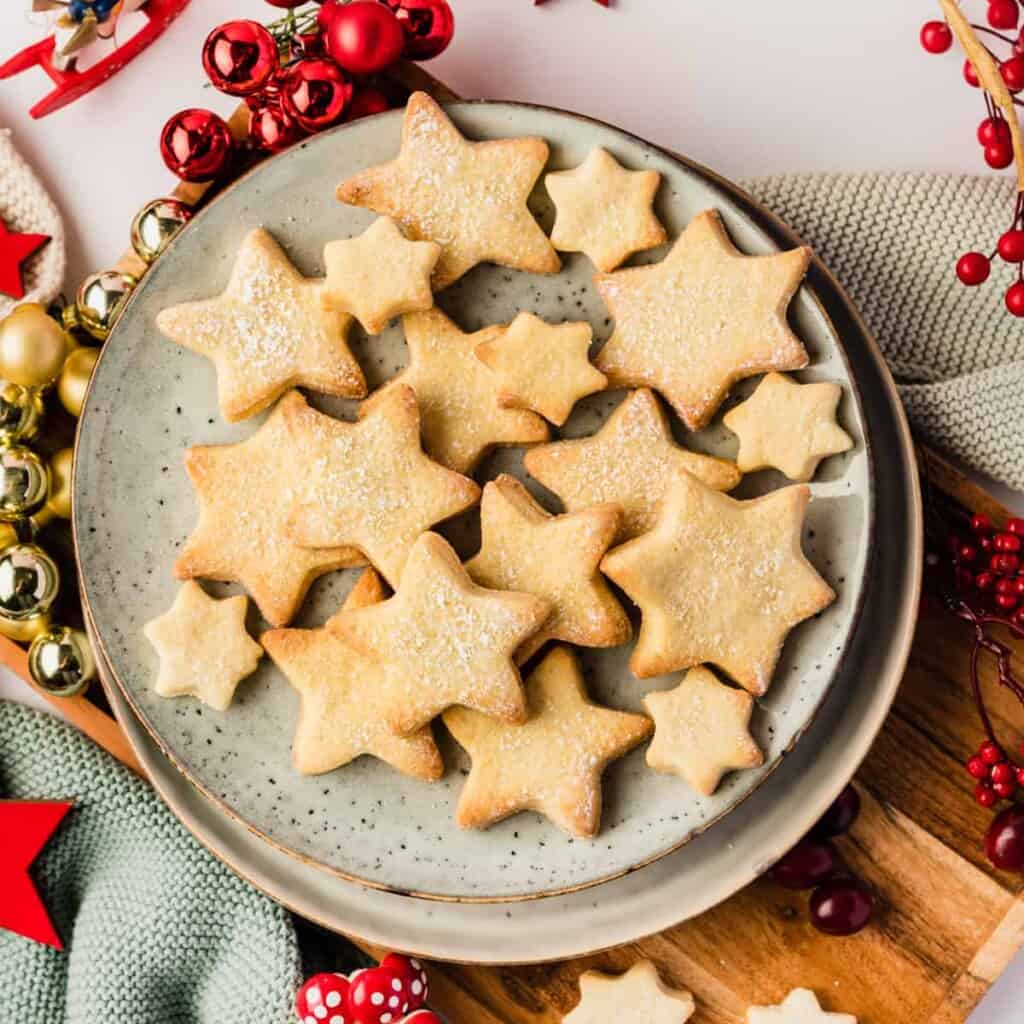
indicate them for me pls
(321, 997)
(239, 57)
(1012, 71)
(315, 93)
(1003, 13)
(999, 155)
(842, 906)
(1004, 841)
(430, 24)
(936, 36)
(993, 129)
(970, 75)
(367, 101)
(364, 37)
(413, 976)
(195, 144)
(271, 129)
(973, 268)
(1015, 304)
(377, 996)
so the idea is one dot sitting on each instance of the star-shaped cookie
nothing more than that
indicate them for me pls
(203, 647)
(266, 333)
(342, 714)
(369, 484)
(555, 557)
(637, 997)
(541, 366)
(801, 1006)
(703, 318)
(630, 461)
(443, 640)
(701, 730)
(553, 762)
(378, 275)
(788, 426)
(468, 196)
(604, 211)
(457, 393)
(720, 581)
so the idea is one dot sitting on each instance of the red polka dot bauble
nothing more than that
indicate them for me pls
(271, 129)
(413, 976)
(377, 996)
(315, 93)
(323, 996)
(239, 57)
(364, 37)
(428, 25)
(195, 144)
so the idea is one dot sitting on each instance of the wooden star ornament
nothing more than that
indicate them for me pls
(15, 248)
(637, 997)
(801, 1006)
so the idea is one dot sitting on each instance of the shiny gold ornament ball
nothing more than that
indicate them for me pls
(59, 499)
(155, 225)
(24, 483)
(74, 379)
(61, 661)
(24, 631)
(21, 412)
(100, 300)
(33, 347)
(29, 582)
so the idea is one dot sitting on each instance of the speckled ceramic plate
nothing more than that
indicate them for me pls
(134, 507)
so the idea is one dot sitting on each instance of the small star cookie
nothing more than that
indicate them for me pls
(204, 649)
(604, 211)
(266, 333)
(788, 426)
(555, 557)
(443, 640)
(719, 580)
(468, 196)
(801, 1006)
(541, 366)
(701, 730)
(553, 763)
(637, 997)
(703, 318)
(630, 461)
(369, 484)
(378, 275)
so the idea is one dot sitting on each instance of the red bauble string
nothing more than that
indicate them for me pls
(364, 37)
(15, 248)
(239, 57)
(195, 144)
(428, 26)
(315, 93)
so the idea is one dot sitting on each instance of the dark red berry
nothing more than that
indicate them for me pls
(970, 75)
(1004, 790)
(1011, 244)
(1005, 585)
(842, 906)
(1005, 601)
(1004, 564)
(977, 768)
(1018, 618)
(1018, 586)
(1015, 298)
(1002, 772)
(973, 268)
(964, 579)
(967, 552)
(1004, 841)
(1006, 541)
(1016, 526)
(936, 36)
(1012, 71)
(839, 818)
(808, 864)
(980, 523)
(985, 795)
(984, 580)
(991, 753)
(1020, 776)
(1003, 13)
(999, 155)
(993, 129)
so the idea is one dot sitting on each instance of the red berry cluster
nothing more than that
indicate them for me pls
(989, 564)
(997, 776)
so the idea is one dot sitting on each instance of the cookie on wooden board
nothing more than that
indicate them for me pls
(637, 997)
(801, 1006)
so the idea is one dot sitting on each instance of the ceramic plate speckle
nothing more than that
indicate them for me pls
(134, 507)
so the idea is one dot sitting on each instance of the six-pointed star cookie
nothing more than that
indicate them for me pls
(266, 333)
(604, 211)
(703, 318)
(555, 557)
(443, 640)
(457, 393)
(203, 647)
(630, 461)
(719, 580)
(542, 366)
(637, 997)
(468, 196)
(553, 762)
(369, 484)
(788, 426)
(701, 730)
(379, 275)
(801, 1006)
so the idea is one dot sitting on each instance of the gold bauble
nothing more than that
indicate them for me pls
(61, 661)
(9, 534)
(29, 582)
(21, 411)
(59, 500)
(100, 300)
(24, 631)
(74, 379)
(33, 347)
(155, 225)
(24, 483)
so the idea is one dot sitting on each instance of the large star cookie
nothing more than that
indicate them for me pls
(266, 333)
(604, 211)
(701, 730)
(630, 461)
(788, 426)
(443, 640)
(457, 393)
(703, 318)
(369, 484)
(203, 647)
(343, 712)
(719, 580)
(468, 196)
(553, 762)
(637, 997)
(801, 1006)
(555, 557)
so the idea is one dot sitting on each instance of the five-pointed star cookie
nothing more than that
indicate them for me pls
(379, 275)
(457, 393)
(801, 1006)
(342, 714)
(637, 997)
(631, 461)
(266, 333)
(703, 318)
(719, 580)
(701, 730)
(443, 640)
(553, 762)
(788, 426)
(555, 557)
(604, 211)
(542, 366)
(468, 196)
(203, 647)
(369, 484)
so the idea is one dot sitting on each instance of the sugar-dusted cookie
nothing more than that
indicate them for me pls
(443, 640)
(204, 649)
(701, 730)
(720, 581)
(378, 275)
(553, 762)
(630, 461)
(457, 393)
(637, 997)
(703, 318)
(342, 695)
(468, 196)
(604, 211)
(788, 426)
(369, 484)
(266, 333)
(555, 557)
(801, 1006)
(541, 366)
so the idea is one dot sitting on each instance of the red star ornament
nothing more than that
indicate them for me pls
(25, 828)
(15, 248)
